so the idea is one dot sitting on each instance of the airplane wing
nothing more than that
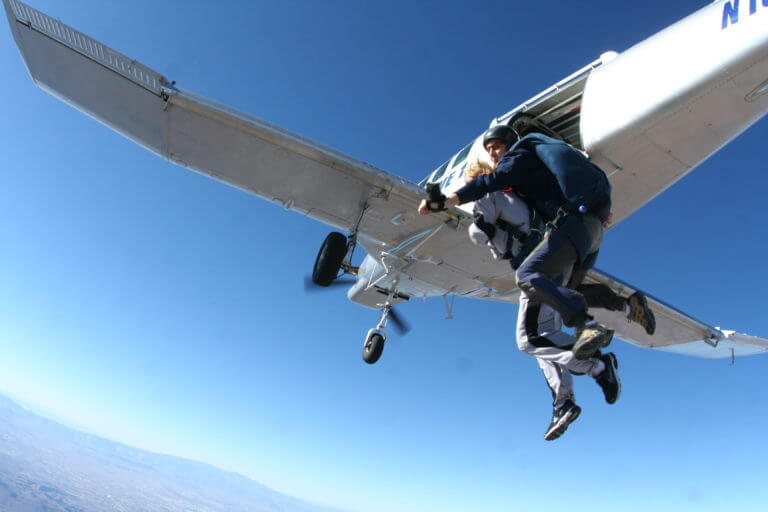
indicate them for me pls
(303, 176)
(194, 132)
(675, 331)
(251, 154)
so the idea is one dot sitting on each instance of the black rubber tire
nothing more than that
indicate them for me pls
(372, 348)
(329, 259)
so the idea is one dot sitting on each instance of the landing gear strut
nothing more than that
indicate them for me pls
(376, 337)
(336, 254)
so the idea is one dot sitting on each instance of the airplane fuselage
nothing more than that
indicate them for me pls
(662, 107)
(651, 114)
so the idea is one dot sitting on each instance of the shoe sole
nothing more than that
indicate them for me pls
(562, 426)
(587, 349)
(615, 366)
(649, 323)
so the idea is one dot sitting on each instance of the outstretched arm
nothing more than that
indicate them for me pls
(451, 200)
(512, 170)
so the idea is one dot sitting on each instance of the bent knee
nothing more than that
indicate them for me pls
(532, 282)
(524, 273)
(525, 278)
(524, 346)
(534, 344)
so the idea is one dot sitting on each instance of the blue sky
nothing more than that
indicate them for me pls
(165, 310)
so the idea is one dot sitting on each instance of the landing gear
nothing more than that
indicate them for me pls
(336, 254)
(376, 337)
(329, 259)
(373, 346)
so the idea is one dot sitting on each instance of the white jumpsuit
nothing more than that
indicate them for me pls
(539, 327)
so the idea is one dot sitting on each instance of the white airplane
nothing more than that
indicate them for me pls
(694, 86)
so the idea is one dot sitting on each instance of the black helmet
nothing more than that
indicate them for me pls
(500, 132)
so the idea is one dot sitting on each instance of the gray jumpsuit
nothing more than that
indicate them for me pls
(539, 327)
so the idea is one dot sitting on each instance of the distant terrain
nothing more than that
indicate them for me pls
(46, 467)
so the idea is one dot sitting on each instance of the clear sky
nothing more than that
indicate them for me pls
(165, 310)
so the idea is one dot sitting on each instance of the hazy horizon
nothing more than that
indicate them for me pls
(80, 467)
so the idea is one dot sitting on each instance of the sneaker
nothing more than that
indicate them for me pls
(591, 339)
(608, 379)
(561, 418)
(640, 313)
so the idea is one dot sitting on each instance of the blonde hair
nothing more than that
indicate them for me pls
(478, 168)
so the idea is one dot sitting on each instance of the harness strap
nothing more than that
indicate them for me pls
(513, 230)
(558, 221)
(486, 227)
(528, 241)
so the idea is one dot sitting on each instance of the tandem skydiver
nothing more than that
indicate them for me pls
(504, 221)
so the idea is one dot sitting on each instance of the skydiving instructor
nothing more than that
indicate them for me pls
(572, 196)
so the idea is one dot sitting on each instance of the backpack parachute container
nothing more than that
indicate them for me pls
(584, 185)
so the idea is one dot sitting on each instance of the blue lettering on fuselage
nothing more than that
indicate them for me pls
(731, 11)
(454, 176)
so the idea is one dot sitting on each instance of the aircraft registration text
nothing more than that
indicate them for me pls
(731, 11)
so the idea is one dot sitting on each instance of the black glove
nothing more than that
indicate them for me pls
(436, 199)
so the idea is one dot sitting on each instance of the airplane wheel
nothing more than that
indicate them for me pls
(329, 259)
(373, 347)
